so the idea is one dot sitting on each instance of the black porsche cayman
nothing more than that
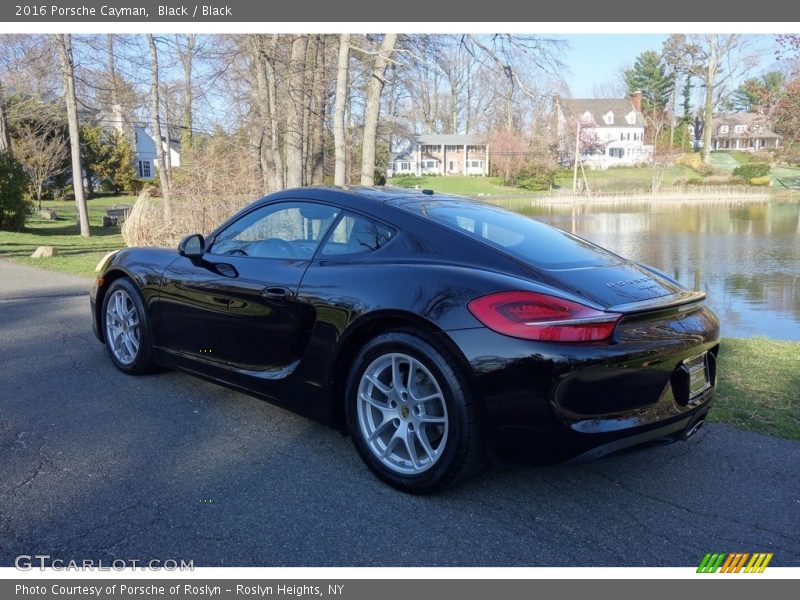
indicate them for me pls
(437, 331)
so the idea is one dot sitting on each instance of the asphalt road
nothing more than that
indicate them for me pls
(96, 464)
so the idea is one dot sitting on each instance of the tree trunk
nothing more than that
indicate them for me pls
(372, 110)
(317, 162)
(64, 43)
(116, 107)
(187, 118)
(308, 96)
(166, 193)
(293, 141)
(339, 142)
(167, 136)
(5, 140)
(272, 100)
(261, 102)
(711, 81)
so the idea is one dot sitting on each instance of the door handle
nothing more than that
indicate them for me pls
(275, 293)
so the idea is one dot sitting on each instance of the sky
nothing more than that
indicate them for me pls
(594, 59)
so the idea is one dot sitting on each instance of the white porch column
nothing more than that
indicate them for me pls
(465, 159)
(444, 160)
(486, 163)
(418, 164)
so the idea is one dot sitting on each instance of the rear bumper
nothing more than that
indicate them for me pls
(547, 403)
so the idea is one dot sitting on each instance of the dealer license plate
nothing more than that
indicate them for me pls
(699, 380)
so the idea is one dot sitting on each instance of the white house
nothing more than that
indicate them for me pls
(442, 154)
(145, 152)
(618, 124)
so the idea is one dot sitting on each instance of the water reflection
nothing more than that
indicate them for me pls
(746, 256)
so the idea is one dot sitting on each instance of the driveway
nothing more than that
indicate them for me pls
(96, 464)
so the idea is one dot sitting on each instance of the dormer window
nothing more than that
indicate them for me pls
(739, 128)
(631, 118)
(724, 129)
(608, 118)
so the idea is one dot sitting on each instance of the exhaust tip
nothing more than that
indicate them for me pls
(694, 429)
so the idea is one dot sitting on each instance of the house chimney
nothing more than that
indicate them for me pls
(636, 100)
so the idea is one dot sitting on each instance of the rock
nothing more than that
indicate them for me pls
(45, 252)
(48, 214)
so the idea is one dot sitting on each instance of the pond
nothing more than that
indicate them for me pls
(745, 255)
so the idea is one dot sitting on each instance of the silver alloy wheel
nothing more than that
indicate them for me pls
(123, 332)
(402, 413)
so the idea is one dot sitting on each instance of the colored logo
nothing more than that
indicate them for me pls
(735, 562)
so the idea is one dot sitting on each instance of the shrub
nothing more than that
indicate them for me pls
(537, 178)
(13, 183)
(752, 170)
(694, 160)
(765, 180)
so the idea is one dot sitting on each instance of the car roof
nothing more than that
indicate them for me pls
(362, 197)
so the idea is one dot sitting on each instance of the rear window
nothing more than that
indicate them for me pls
(533, 241)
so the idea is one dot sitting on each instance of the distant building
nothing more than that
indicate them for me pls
(144, 161)
(618, 123)
(743, 131)
(442, 155)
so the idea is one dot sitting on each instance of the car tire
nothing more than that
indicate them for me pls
(419, 435)
(126, 328)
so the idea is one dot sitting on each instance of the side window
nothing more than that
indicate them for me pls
(355, 235)
(289, 230)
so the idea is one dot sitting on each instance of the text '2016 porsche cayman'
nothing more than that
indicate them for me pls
(439, 332)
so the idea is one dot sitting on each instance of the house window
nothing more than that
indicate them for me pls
(724, 129)
(405, 166)
(635, 136)
(474, 164)
(144, 169)
(622, 137)
(739, 129)
(616, 152)
(429, 164)
(609, 118)
(452, 148)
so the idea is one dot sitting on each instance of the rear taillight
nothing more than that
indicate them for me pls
(535, 316)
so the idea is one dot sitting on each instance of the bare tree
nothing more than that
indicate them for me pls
(43, 152)
(717, 60)
(187, 47)
(155, 121)
(64, 46)
(5, 142)
(318, 103)
(270, 57)
(293, 141)
(372, 109)
(342, 81)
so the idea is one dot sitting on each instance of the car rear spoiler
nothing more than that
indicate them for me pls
(683, 301)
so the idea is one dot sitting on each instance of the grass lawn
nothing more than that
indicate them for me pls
(457, 184)
(726, 161)
(624, 179)
(757, 386)
(76, 254)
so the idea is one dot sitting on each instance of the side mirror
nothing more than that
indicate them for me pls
(192, 246)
